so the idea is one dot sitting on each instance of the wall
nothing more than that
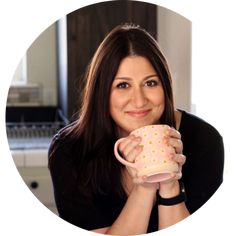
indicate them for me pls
(174, 36)
(41, 64)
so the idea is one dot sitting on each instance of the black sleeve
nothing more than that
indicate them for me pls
(204, 170)
(72, 203)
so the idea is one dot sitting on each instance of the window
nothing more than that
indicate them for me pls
(20, 76)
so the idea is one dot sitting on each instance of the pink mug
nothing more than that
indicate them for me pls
(155, 159)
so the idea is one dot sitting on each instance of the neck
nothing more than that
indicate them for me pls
(178, 116)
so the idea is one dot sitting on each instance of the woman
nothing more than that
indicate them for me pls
(128, 85)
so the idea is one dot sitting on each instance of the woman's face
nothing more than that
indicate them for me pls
(137, 96)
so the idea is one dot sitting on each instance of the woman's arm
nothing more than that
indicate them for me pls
(169, 215)
(134, 217)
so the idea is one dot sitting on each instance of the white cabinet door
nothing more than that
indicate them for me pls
(39, 181)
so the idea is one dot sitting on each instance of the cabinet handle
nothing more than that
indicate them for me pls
(34, 184)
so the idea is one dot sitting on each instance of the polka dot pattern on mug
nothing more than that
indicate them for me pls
(155, 151)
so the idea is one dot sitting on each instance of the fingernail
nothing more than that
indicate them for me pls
(139, 139)
(167, 132)
(172, 155)
(132, 136)
(144, 178)
(140, 147)
(165, 140)
(173, 175)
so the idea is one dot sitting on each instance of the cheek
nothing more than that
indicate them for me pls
(158, 98)
(113, 101)
(116, 104)
(118, 100)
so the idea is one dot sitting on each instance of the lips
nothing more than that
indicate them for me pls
(138, 113)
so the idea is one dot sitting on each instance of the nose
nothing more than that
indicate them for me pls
(139, 98)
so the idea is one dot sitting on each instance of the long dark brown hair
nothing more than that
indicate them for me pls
(95, 130)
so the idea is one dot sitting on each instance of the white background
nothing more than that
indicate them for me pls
(214, 63)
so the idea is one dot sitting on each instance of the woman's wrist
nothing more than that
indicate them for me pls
(145, 192)
(145, 189)
(169, 189)
(170, 201)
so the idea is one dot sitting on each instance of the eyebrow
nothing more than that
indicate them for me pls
(128, 78)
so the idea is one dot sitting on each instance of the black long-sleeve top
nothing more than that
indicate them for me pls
(202, 175)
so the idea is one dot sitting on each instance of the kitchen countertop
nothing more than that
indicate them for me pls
(30, 157)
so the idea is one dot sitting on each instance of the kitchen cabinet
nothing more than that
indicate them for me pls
(30, 131)
(32, 165)
(39, 182)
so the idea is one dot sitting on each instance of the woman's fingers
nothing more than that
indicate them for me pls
(125, 143)
(173, 133)
(176, 144)
(173, 138)
(134, 153)
(175, 176)
(179, 158)
(130, 147)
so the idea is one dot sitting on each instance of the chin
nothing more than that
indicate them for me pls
(132, 128)
(126, 129)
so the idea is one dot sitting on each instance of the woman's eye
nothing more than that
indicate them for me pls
(122, 85)
(151, 83)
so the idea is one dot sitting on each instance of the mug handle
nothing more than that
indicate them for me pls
(119, 158)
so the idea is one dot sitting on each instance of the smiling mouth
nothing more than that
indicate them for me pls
(140, 113)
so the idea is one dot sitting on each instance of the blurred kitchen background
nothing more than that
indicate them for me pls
(46, 89)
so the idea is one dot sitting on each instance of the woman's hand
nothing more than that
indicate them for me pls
(130, 148)
(173, 138)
